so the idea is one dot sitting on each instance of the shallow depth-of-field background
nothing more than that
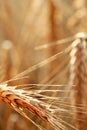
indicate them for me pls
(25, 25)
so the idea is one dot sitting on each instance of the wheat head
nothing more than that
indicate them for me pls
(78, 74)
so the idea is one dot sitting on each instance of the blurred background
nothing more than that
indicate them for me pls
(24, 27)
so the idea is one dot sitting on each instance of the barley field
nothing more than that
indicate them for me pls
(43, 65)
